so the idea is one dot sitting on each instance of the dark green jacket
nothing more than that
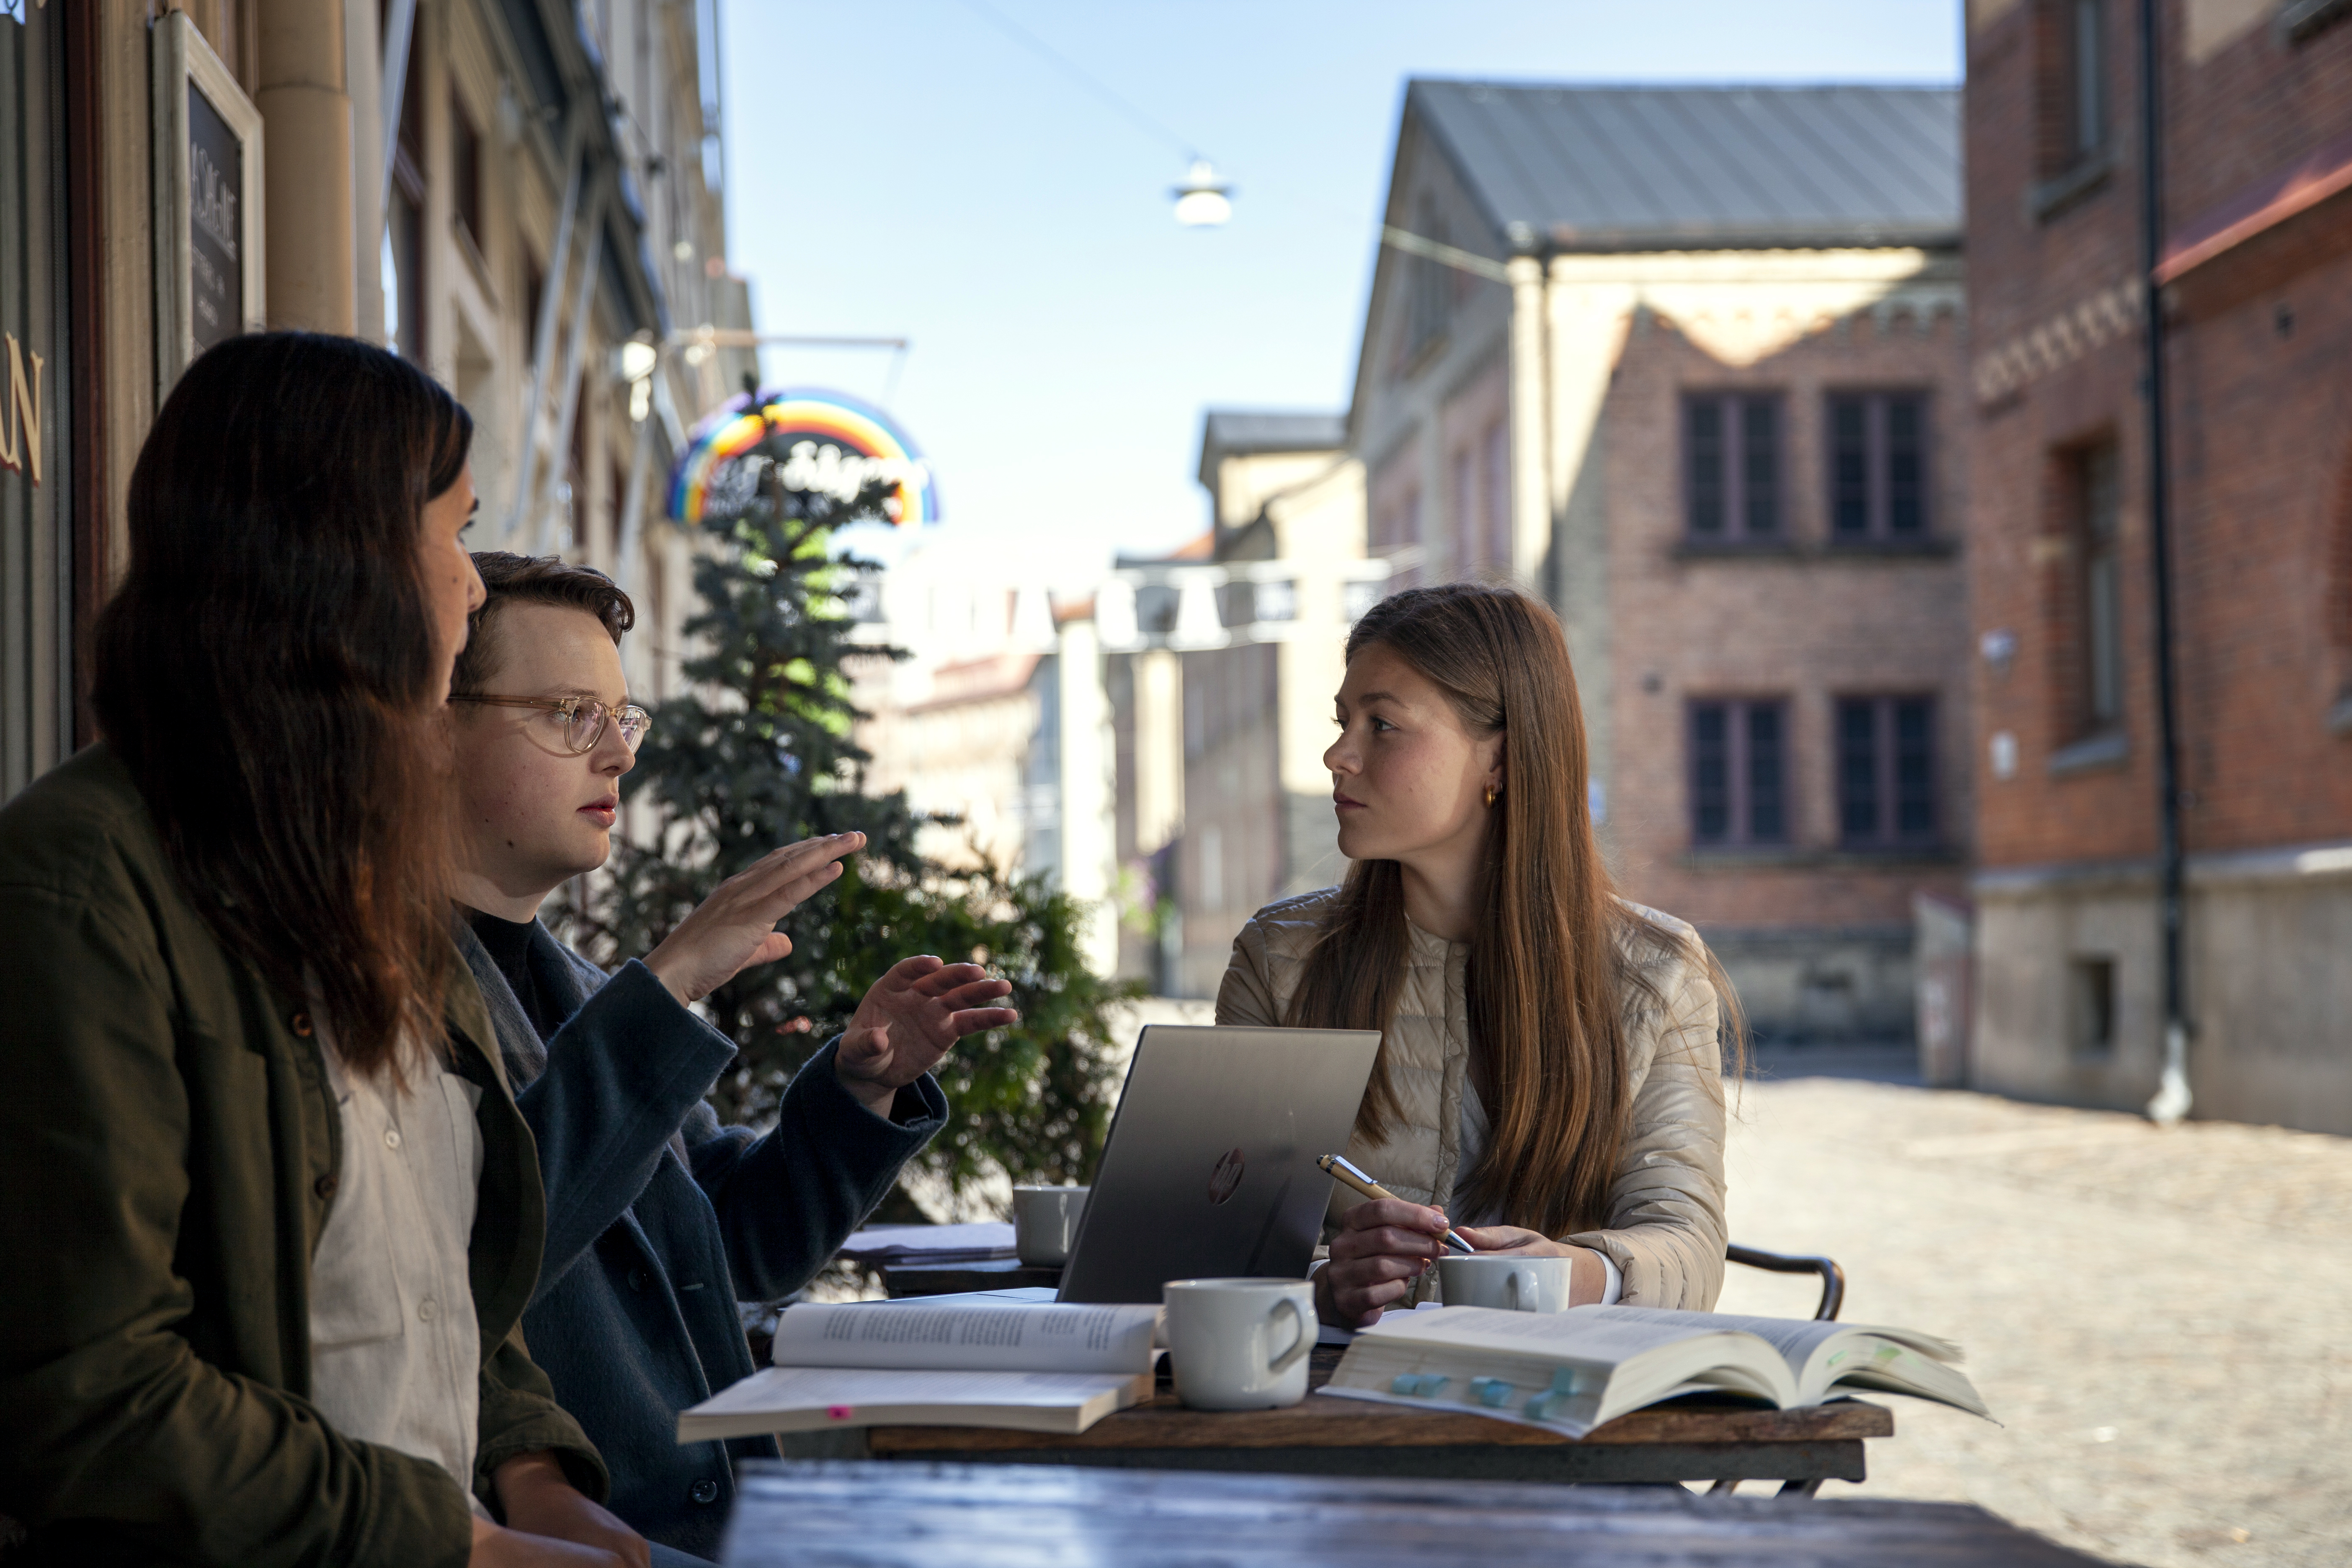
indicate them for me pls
(168, 1156)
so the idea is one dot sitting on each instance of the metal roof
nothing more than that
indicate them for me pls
(1234, 431)
(1646, 168)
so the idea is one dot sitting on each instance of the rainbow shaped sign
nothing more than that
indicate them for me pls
(818, 440)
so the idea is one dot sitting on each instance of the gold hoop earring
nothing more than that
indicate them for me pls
(1491, 793)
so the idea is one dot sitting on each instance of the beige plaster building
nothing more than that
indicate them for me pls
(522, 197)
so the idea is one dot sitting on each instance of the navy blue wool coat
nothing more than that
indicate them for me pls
(659, 1219)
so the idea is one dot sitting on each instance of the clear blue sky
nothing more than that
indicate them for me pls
(904, 167)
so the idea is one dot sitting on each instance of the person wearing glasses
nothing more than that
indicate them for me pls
(659, 1219)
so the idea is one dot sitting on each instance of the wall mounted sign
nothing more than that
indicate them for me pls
(818, 441)
(208, 271)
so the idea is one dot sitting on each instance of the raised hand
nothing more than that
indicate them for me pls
(910, 1017)
(735, 927)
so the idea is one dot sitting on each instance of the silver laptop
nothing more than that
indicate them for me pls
(1209, 1165)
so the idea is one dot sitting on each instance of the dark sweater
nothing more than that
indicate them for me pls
(659, 1219)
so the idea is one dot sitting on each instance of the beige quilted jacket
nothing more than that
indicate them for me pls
(1667, 1231)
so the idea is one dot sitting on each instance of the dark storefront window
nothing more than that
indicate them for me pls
(37, 548)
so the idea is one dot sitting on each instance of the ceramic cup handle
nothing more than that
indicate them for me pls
(1304, 1338)
(1526, 1296)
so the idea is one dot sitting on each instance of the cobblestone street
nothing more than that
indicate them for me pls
(2157, 1316)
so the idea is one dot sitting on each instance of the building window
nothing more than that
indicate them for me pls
(1732, 465)
(465, 172)
(1878, 466)
(1468, 537)
(1499, 496)
(1430, 296)
(403, 227)
(2087, 119)
(2071, 41)
(1739, 773)
(1886, 772)
(2097, 500)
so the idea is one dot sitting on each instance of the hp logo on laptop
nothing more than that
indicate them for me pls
(1226, 1180)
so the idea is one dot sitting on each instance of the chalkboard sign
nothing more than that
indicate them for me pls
(208, 277)
(215, 189)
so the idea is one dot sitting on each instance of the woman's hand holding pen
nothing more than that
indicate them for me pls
(1383, 1246)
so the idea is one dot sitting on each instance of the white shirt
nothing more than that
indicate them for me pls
(395, 1351)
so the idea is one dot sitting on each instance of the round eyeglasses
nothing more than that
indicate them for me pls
(584, 717)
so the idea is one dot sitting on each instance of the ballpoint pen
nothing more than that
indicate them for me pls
(1341, 1169)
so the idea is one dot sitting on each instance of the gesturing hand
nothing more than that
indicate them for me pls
(906, 1022)
(735, 927)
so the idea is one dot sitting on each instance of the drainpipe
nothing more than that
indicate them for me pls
(2172, 1095)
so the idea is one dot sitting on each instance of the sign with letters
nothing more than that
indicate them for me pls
(208, 272)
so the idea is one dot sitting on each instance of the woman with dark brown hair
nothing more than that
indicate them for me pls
(1549, 1070)
(271, 1215)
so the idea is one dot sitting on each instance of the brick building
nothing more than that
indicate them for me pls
(1689, 362)
(2254, 267)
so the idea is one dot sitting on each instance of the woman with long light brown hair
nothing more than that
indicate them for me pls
(1550, 1075)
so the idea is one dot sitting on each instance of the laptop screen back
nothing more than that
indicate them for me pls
(1209, 1166)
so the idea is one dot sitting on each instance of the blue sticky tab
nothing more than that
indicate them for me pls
(1490, 1392)
(1417, 1384)
(1563, 1380)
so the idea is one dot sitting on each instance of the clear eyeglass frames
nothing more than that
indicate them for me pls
(584, 717)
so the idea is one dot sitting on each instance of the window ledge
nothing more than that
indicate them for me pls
(1735, 549)
(2339, 718)
(2301, 18)
(2093, 754)
(1930, 549)
(2054, 195)
(1863, 549)
(1788, 857)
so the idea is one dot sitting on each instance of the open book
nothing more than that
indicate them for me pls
(1572, 1370)
(1043, 1368)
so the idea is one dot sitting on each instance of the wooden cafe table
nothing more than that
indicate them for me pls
(1326, 1435)
(1691, 1439)
(799, 1514)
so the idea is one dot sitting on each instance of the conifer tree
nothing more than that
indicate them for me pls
(757, 753)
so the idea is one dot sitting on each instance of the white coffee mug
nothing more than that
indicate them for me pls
(1045, 1222)
(1514, 1284)
(1240, 1344)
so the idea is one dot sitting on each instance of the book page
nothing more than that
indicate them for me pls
(1594, 1335)
(966, 1336)
(1799, 1340)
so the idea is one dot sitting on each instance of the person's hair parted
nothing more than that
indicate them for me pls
(511, 579)
(268, 672)
(1556, 961)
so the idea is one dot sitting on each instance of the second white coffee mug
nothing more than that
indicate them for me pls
(1045, 1223)
(1514, 1284)
(1240, 1344)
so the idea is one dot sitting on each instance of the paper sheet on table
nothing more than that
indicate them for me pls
(930, 1243)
